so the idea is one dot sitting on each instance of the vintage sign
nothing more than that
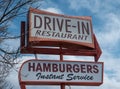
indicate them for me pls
(57, 72)
(45, 26)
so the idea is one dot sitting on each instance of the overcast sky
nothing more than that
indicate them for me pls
(106, 26)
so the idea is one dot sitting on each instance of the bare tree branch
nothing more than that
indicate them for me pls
(9, 10)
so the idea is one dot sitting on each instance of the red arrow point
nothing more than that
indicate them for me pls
(98, 49)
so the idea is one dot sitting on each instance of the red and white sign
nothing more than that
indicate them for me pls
(57, 72)
(45, 26)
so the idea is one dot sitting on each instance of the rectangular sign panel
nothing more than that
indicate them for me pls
(56, 72)
(46, 26)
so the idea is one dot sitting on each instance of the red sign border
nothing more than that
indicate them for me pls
(55, 42)
(58, 83)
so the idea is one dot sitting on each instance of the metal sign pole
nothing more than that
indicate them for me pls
(62, 86)
(61, 59)
(22, 86)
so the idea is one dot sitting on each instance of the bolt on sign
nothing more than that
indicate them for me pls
(53, 72)
(59, 29)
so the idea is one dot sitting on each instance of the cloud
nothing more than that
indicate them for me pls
(80, 4)
(109, 36)
(110, 83)
(94, 6)
(54, 10)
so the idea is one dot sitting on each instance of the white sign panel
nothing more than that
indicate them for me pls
(62, 72)
(47, 26)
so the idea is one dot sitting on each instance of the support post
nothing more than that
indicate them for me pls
(62, 86)
(22, 86)
(22, 40)
(61, 59)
